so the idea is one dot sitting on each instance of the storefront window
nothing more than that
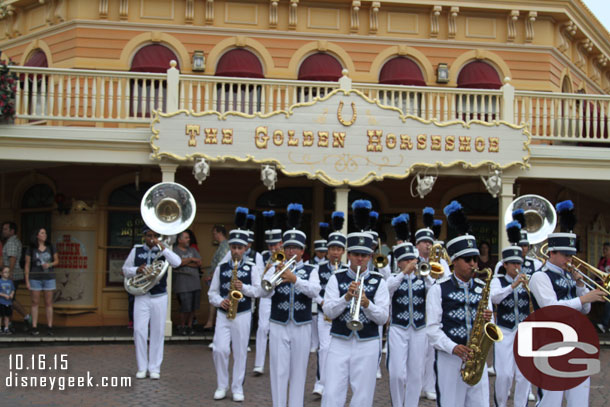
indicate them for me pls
(36, 205)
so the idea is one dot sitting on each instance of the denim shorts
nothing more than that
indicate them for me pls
(42, 285)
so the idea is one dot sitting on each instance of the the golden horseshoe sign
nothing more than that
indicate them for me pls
(344, 122)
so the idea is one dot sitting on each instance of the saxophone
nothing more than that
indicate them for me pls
(482, 336)
(234, 294)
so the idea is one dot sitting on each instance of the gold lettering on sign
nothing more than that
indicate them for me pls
(307, 138)
(210, 136)
(227, 136)
(405, 142)
(390, 141)
(479, 144)
(464, 143)
(449, 143)
(291, 140)
(278, 137)
(435, 143)
(261, 138)
(344, 122)
(192, 130)
(421, 141)
(494, 144)
(322, 139)
(374, 140)
(338, 139)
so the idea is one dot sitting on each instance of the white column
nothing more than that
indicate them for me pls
(505, 198)
(168, 174)
(341, 204)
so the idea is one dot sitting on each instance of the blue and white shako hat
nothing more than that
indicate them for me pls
(464, 244)
(426, 233)
(293, 236)
(320, 244)
(272, 235)
(239, 235)
(336, 238)
(404, 250)
(513, 253)
(565, 240)
(360, 242)
(373, 219)
(250, 219)
(436, 228)
(519, 216)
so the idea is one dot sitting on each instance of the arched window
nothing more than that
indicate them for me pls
(239, 96)
(150, 94)
(35, 88)
(478, 75)
(402, 71)
(318, 67)
(36, 208)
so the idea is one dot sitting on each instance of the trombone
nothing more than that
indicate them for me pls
(354, 323)
(379, 259)
(269, 285)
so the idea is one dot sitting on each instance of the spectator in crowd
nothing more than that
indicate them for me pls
(11, 256)
(604, 265)
(187, 283)
(40, 258)
(7, 293)
(219, 234)
(485, 258)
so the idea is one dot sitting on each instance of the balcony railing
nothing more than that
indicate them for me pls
(129, 97)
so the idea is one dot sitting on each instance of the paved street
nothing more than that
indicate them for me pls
(187, 378)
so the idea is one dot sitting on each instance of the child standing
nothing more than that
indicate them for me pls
(7, 292)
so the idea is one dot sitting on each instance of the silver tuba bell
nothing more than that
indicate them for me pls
(540, 216)
(167, 208)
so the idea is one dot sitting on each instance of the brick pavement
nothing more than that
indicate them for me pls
(187, 379)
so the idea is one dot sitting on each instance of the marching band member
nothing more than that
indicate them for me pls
(556, 284)
(320, 252)
(509, 293)
(336, 247)
(530, 264)
(273, 239)
(353, 356)
(407, 336)
(424, 239)
(149, 308)
(233, 331)
(254, 256)
(451, 308)
(290, 331)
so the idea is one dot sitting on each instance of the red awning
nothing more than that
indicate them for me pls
(479, 75)
(37, 59)
(239, 63)
(153, 58)
(401, 71)
(320, 67)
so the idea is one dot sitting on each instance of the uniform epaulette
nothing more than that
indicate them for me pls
(376, 273)
(442, 280)
(341, 270)
(250, 262)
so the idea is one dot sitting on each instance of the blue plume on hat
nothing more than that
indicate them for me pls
(250, 221)
(324, 230)
(374, 217)
(456, 218)
(428, 217)
(436, 228)
(519, 216)
(338, 218)
(567, 218)
(361, 209)
(295, 212)
(513, 230)
(269, 219)
(400, 224)
(240, 217)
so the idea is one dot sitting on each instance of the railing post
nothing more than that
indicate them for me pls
(508, 101)
(173, 80)
(345, 82)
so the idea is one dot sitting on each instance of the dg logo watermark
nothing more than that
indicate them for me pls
(557, 348)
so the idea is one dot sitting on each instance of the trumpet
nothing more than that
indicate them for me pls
(526, 286)
(275, 259)
(433, 266)
(354, 323)
(269, 285)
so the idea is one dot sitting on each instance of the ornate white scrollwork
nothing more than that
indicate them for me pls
(493, 182)
(269, 176)
(201, 170)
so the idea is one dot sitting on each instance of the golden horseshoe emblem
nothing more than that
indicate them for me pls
(344, 122)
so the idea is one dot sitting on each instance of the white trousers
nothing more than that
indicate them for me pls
(451, 389)
(405, 358)
(315, 340)
(351, 362)
(262, 332)
(231, 336)
(148, 310)
(429, 384)
(324, 340)
(288, 358)
(578, 396)
(507, 370)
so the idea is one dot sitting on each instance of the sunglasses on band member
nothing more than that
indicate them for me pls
(468, 259)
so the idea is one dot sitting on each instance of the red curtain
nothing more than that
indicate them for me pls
(153, 58)
(401, 71)
(37, 59)
(479, 75)
(239, 63)
(320, 67)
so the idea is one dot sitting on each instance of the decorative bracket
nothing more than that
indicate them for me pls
(374, 16)
(273, 14)
(512, 23)
(292, 14)
(355, 20)
(453, 13)
(529, 26)
(434, 21)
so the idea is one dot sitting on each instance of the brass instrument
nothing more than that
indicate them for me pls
(167, 208)
(540, 216)
(235, 295)
(275, 259)
(354, 323)
(433, 266)
(482, 336)
(379, 259)
(269, 285)
(526, 285)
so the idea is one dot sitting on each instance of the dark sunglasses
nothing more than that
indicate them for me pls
(468, 259)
